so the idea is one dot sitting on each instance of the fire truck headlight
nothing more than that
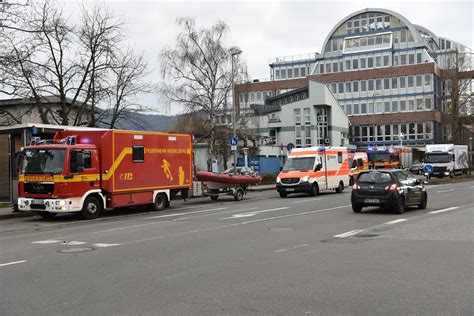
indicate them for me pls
(61, 202)
(305, 179)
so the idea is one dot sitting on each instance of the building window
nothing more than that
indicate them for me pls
(378, 61)
(297, 72)
(387, 106)
(328, 68)
(307, 116)
(297, 113)
(277, 74)
(283, 74)
(418, 58)
(290, 73)
(402, 83)
(386, 83)
(419, 81)
(403, 105)
(334, 67)
(403, 59)
(321, 68)
(379, 107)
(363, 108)
(298, 136)
(341, 87)
(411, 105)
(363, 86)
(419, 104)
(394, 106)
(411, 59)
(427, 80)
(385, 61)
(394, 83)
(348, 65)
(307, 135)
(355, 86)
(138, 153)
(356, 108)
(371, 85)
(410, 82)
(355, 64)
(378, 84)
(303, 72)
(428, 103)
(370, 62)
(363, 63)
(348, 87)
(349, 109)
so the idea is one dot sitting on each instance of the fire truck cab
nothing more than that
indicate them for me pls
(389, 157)
(358, 162)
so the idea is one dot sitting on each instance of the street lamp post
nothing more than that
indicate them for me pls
(400, 137)
(375, 94)
(233, 53)
(470, 156)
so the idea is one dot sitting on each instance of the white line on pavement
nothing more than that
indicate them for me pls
(233, 225)
(187, 213)
(11, 263)
(73, 243)
(445, 210)
(348, 234)
(255, 213)
(106, 245)
(292, 248)
(220, 213)
(396, 221)
(307, 200)
(47, 241)
(444, 191)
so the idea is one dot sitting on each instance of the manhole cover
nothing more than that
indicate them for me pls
(76, 250)
(281, 229)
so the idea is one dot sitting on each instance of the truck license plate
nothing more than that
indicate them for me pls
(372, 201)
(289, 189)
(37, 201)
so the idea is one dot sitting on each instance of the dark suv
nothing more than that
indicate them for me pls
(393, 190)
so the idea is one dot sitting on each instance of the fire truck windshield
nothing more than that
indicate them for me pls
(378, 157)
(43, 161)
(305, 163)
(437, 158)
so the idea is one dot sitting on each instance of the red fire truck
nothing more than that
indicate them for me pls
(88, 171)
(389, 157)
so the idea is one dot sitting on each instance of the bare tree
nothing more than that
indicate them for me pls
(197, 72)
(84, 67)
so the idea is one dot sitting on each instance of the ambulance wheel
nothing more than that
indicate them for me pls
(239, 195)
(340, 188)
(47, 215)
(91, 208)
(214, 197)
(161, 202)
(283, 195)
(314, 190)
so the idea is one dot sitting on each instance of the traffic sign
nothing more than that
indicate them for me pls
(428, 169)
(233, 141)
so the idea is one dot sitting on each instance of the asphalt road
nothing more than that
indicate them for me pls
(261, 256)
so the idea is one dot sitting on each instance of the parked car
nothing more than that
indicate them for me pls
(393, 190)
(417, 167)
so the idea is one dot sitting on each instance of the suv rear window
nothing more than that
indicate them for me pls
(377, 177)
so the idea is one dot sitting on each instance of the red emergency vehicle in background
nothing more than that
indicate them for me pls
(358, 162)
(389, 157)
(88, 171)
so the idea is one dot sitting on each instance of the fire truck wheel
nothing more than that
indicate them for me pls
(239, 194)
(91, 208)
(340, 188)
(314, 190)
(161, 201)
(47, 215)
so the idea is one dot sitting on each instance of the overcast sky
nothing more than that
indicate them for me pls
(267, 29)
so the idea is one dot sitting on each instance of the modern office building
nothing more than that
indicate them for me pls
(390, 76)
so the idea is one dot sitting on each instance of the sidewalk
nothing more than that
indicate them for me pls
(7, 212)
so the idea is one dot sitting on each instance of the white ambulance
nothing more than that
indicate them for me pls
(314, 169)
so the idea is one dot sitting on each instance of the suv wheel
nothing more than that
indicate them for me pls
(423, 202)
(356, 208)
(401, 206)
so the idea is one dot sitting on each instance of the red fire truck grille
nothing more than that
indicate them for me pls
(39, 188)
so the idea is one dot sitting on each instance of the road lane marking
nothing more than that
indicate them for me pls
(11, 263)
(47, 241)
(106, 245)
(233, 225)
(73, 243)
(255, 213)
(350, 233)
(444, 191)
(445, 210)
(307, 200)
(292, 248)
(187, 213)
(396, 221)
(220, 213)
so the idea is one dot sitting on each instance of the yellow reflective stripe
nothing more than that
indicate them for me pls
(125, 151)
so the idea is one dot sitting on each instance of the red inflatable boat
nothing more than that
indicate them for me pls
(226, 180)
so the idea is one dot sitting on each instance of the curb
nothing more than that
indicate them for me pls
(16, 215)
(257, 189)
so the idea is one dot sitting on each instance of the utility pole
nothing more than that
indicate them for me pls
(234, 53)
